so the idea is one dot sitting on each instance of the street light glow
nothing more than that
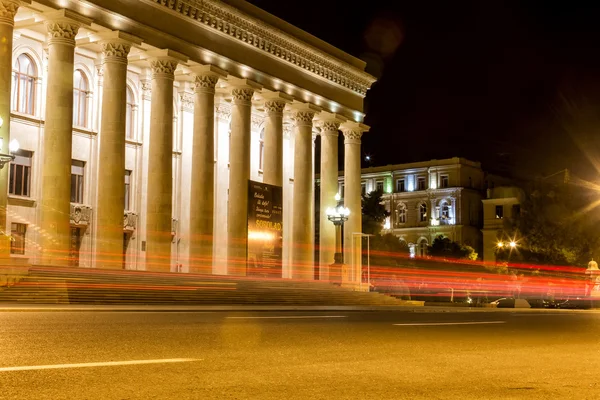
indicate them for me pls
(500, 244)
(513, 244)
(13, 146)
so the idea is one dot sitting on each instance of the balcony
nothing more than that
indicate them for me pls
(80, 215)
(129, 221)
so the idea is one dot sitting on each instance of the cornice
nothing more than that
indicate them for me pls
(228, 20)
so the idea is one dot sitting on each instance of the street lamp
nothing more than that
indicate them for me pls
(13, 147)
(338, 216)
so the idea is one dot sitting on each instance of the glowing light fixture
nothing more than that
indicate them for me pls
(513, 244)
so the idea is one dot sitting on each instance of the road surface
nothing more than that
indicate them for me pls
(300, 355)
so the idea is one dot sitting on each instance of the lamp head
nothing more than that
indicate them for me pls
(13, 146)
(338, 197)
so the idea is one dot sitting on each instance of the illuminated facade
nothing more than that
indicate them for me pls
(141, 122)
(428, 199)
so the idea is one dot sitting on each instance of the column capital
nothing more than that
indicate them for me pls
(63, 26)
(242, 90)
(353, 131)
(8, 10)
(206, 78)
(303, 113)
(275, 102)
(329, 123)
(164, 63)
(116, 45)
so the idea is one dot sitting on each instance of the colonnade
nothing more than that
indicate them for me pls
(54, 206)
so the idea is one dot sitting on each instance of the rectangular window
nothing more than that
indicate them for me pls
(363, 188)
(499, 212)
(421, 183)
(379, 186)
(444, 181)
(127, 189)
(261, 154)
(20, 174)
(516, 211)
(77, 172)
(400, 186)
(17, 244)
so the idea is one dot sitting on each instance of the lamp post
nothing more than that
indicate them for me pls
(338, 216)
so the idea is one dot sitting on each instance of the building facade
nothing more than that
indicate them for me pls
(141, 123)
(428, 199)
(502, 204)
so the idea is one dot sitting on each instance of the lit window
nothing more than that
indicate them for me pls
(127, 189)
(80, 94)
(77, 172)
(445, 214)
(363, 188)
(423, 212)
(20, 174)
(401, 214)
(380, 186)
(129, 120)
(17, 244)
(499, 212)
(421, 183)
(444, 181)
(24, 75)
(400, 186)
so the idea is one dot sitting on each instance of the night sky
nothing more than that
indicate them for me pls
(514, 84)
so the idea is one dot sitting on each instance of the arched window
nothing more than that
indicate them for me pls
(422, 252)
(129, 120)
(80, 93)
(401, 214)
(25, 73)
(423, 212)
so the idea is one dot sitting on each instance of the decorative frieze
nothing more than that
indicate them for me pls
(223, 111)
(253, 32)
(187, 101)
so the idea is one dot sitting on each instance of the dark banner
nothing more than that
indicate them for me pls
(265, 229)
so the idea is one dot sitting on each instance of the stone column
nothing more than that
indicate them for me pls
(239, 175)
(203, 172)
(302, 233)
(329, 188)
(160, 163)
(55, 197)
(352, 198)
(273, 156)
(111, 156)
(8, 10)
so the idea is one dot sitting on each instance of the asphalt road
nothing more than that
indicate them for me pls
(299, 355)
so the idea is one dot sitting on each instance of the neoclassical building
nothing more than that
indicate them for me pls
(141, 123)
(429, 198)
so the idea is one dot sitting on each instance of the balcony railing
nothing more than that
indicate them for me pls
(80, 215)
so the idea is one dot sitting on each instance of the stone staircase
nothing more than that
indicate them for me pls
(90, 286)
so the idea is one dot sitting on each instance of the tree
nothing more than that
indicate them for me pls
(445, 248)
(557, 225)
(373, 213)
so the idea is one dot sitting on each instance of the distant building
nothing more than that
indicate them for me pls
(430, 198)
(501, 204)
